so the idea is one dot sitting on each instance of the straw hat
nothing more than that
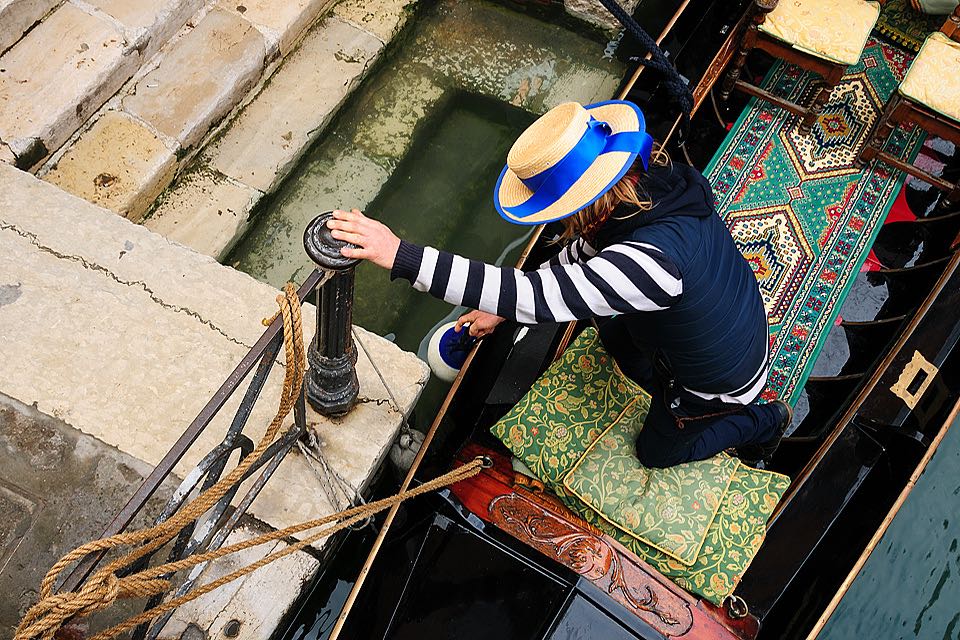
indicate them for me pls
(568, 158)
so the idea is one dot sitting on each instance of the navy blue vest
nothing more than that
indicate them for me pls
(715, 338)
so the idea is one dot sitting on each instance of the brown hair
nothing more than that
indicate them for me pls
(628, 190)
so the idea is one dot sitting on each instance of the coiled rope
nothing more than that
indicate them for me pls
(53, 610)
(672, 80)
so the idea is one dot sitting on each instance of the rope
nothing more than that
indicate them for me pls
(53, 610)
(672, 80)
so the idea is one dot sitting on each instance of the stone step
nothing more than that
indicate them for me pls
(64, 69)
(17, 16)
(200, 78)
(57, 76)
(209, 207)
(183, 94)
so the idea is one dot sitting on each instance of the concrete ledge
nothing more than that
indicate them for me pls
(125, 335)
(593, 12)
(209, 207)
(6, 155)
(258, 602)
(58, 489)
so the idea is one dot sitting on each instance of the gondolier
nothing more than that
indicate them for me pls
(678, 306)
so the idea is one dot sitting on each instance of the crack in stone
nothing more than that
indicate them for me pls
(91, 266)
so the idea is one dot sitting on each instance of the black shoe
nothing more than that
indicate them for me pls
(754, 454)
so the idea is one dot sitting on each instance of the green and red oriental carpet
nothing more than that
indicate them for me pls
(801, 211)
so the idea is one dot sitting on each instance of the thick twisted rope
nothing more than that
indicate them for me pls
(53, 610)
(672, 80)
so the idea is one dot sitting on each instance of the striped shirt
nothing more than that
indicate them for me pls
(623, 278)
(576, 284)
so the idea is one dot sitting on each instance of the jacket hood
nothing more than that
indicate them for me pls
(675, 190)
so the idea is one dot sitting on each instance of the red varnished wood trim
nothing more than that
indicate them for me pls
(521, 508)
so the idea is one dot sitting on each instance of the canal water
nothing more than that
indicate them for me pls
(910, 585)
(420, 145)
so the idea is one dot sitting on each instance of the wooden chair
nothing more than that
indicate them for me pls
(821, 36)
(929, 96)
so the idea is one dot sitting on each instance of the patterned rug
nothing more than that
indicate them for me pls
(802, 213)
(906, 26)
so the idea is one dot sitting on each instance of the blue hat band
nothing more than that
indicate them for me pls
(550, 185)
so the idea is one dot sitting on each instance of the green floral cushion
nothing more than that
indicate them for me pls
(680, 520)
(567, 408)
(668, 509)
(731, 542)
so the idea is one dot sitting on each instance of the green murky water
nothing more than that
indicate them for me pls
(420, 145)
(910, 585)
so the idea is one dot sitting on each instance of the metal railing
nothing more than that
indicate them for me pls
(331, 388)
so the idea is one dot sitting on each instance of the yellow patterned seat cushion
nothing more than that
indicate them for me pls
(934, 76)
(835, 30)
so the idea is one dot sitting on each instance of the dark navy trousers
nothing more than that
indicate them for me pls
(682, 427)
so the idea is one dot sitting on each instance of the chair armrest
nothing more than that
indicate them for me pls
(951, 28)
(759, 9)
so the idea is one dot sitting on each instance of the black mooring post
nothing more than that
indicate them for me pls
(331, 383)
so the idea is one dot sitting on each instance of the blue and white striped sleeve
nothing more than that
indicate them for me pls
(623, 278)
(577, 251)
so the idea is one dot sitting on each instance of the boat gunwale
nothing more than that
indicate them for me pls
(885, 524)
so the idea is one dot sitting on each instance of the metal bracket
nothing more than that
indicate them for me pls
(911, 385)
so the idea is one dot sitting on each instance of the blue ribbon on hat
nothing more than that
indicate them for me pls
(551, 184)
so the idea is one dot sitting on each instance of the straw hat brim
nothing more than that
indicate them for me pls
(605, 172)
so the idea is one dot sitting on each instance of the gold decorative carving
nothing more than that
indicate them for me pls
(596, 560)
(901, 387)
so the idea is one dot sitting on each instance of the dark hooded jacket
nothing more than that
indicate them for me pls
(715, 338)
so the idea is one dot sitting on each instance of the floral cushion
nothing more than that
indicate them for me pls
(836, 30)
(567, 408)
(934, 76)
(698, 524)
(668, 509)
(731, 542)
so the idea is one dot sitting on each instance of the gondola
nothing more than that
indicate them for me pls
(497, 556)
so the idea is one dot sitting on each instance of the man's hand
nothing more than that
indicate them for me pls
(481, 323)
(375, 240)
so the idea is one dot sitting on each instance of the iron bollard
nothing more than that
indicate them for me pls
(331, 382)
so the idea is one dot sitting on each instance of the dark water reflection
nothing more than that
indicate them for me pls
(910, 585)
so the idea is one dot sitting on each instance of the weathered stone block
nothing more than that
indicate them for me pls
(593, 12)
(383, 18)
(57, 76)
(258, 601)
(282, 23)
(205, 211)
(6, 155)
(149, 23)
(271, 133)
(118, 164)
(178, 324)
(16, 16)
(200, 79)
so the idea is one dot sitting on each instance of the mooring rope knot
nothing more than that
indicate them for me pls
(54, 610)
(98, 593)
